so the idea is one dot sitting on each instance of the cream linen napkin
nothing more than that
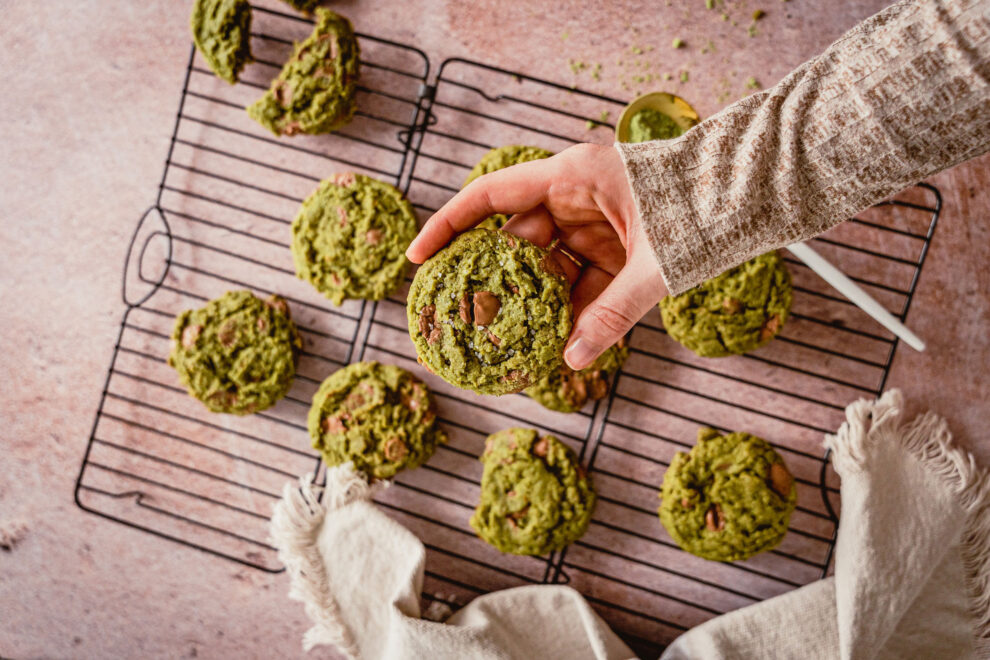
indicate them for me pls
(912, 570)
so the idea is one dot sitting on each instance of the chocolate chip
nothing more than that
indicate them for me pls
(190, 335)
(770, 328)
(517, 379)
(781, 480)
(373, 236)
(597, 385)
(731, 306)
(395, 449)
(464, 308)
(333, 425)
(573, 387)
(278, 304)
(227, 333)
(486, 306)
(345, 179)
(521, 513)
(714, 520)
(686, 503)
(493, 338)
(428, 326)
(541, 447)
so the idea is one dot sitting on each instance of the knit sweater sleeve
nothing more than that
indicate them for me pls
(901, 96)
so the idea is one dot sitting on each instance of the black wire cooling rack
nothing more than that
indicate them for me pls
(158, 461)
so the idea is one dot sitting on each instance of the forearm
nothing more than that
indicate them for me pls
(903, 95)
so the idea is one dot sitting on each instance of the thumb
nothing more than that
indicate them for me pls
(610, 316)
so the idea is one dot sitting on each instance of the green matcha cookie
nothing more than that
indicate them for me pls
(490, 312)
(306, 6)
(350, 237)
(535, 497)
(222, 32)
(314, 93)
(497, 159)
(566, 390)
(729, 498)
(736, 312)
(237, 354)
(378, 416)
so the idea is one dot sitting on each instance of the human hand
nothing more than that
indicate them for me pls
(580, 196)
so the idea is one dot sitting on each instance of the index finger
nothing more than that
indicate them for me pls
(511, 190)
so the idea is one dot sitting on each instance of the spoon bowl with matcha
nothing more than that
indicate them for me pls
(655, 116)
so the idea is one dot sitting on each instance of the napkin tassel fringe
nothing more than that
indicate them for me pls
(928, 439)
(295, 527)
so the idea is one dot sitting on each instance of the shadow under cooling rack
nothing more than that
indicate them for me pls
(158, 461)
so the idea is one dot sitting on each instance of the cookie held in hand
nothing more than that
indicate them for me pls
(729, 498)
(733, 313)
(237, 354)
(535, 496)
(378, 416)
(491, 312)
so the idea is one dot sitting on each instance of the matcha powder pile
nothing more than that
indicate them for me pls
(649, 124)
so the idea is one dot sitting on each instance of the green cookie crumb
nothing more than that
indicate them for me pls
(729, 498)
(490, 312)
(733, 313)
(677, 43)
(237, 354)
(222, 32)
(314, 93)
(535, 497)
(350, 236)
(499, 158)
(379, 417)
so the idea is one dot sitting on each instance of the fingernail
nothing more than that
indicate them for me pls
(581, 353)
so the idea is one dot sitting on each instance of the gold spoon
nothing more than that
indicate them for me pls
(669, 104)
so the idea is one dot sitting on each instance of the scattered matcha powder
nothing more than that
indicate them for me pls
(751, 83)
(604, 116)
(636, 50)
(678, 43)
(708, 48)
(590, 125)
(596, 71)
(577, 66)
(684, 76)
(565, 35)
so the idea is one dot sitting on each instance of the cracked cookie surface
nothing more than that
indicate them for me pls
(499, 158)
(535, 496)
(733, 313)
(566, 390)
(729, 498)
(314, 92)
(378, 416)
(490, 312)
(237, 354)
(350, 237)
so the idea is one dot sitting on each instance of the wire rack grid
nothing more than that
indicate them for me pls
(158, 461)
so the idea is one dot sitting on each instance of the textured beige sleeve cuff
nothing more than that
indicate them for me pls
(901, 96)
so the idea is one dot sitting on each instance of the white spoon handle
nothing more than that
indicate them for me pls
(853, 292)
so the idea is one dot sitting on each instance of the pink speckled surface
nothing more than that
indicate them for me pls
(90, 93)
